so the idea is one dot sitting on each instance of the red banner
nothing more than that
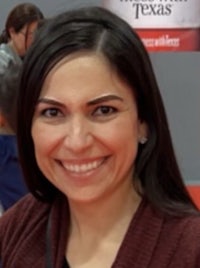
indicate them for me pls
(194, 191)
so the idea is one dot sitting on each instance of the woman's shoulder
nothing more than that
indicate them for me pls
(22, 232)
(176, 239)
(183, 228)
(181, 223)
(182, 236)
(26, 206)
(7, 54)
(191, 229)
(24, 215)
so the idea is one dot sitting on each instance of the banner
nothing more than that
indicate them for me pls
(163, 25)
(194, 191)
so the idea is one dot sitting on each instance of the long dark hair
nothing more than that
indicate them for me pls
(18, 17)
(96, 29)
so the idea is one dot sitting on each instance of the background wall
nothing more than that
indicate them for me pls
(178, 75)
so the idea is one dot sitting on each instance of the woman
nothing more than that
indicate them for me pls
(20, 27)
(18, 35)
(97, 155)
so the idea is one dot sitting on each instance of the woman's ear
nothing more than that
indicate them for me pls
(11, 32)
(143, 133)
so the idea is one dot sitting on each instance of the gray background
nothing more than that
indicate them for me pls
(178, 76)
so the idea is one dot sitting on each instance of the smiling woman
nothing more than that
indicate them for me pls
(97, 155)
(78, 158)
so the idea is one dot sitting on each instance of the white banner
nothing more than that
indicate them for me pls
(144, 14)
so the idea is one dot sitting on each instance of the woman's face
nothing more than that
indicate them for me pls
(22, 40)
(86, 129)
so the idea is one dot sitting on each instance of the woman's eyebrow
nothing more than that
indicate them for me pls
(104, 99)
(92, 102)
(50, 101)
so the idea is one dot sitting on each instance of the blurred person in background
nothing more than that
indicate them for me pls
(16, 38)
(20, 26)
(12, 186)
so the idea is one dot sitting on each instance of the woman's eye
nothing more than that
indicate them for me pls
(51, 112)
(104, 111)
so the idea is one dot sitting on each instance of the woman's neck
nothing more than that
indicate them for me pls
(13, 47)
(98, 229)
(115, 211)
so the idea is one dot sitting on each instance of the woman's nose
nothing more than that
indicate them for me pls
(78, 135)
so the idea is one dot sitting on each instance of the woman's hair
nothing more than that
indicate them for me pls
(9, 82)
(94, 29)
(18, 17)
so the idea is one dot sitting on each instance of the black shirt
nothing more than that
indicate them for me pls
(65, 264)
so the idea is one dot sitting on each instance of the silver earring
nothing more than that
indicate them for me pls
(143, 140)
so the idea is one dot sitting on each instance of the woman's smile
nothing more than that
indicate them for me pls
(82, 166)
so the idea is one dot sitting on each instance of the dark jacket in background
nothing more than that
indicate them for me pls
(12, 186)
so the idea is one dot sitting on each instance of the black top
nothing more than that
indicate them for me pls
(65, 264)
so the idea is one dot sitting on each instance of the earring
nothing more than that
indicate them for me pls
(143, 140)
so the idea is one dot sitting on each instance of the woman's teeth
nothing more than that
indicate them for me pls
(81, 168)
